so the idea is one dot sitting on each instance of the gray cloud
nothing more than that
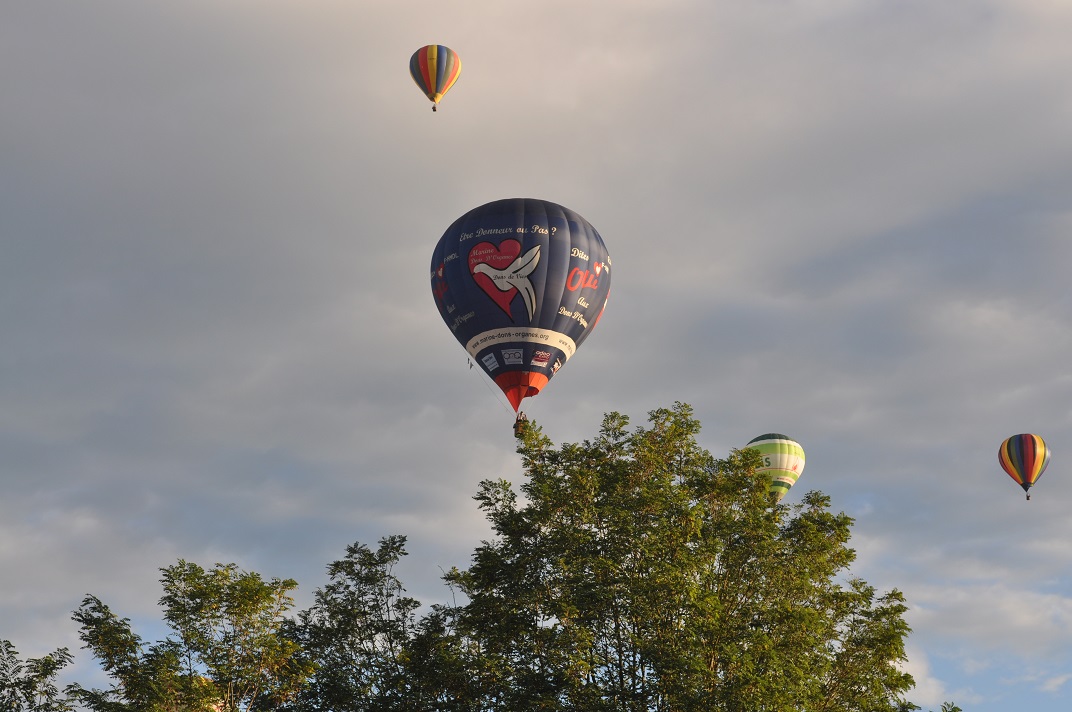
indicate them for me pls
(846, 221)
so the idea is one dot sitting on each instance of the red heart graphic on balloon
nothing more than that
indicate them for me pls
(498, 259)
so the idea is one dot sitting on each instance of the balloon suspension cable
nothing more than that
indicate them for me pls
(494, 391)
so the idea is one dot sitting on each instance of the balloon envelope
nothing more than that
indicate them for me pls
(1024, 457)
(521, 283)
(435, 68)
(783, 457)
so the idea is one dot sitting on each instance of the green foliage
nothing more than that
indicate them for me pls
(631, 573)
(30, 685)
(356, 633)
(227, 651)
(946, 707)
(643, 574)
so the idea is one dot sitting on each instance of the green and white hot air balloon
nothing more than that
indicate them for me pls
(783, 457)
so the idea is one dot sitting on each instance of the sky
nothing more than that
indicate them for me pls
(849, 221)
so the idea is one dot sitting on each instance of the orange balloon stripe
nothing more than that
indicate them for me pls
(520, 384)
(455, 71)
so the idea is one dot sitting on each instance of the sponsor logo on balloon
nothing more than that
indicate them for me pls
(581, 279)
(490, 362)
(502, 272)
(513, 356)
(541, 358)
(507, 337)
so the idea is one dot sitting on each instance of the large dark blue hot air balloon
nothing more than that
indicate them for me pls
(521, 283)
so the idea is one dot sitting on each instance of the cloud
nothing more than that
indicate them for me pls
(928, 691)
(846, 221)
(1055, 683)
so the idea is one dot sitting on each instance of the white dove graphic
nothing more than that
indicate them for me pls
(515, 276)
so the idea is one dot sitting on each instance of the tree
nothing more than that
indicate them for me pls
(226, 653)
(370, 651)
(356, 634)
(632, 573)
(644, 574)
(30, 685)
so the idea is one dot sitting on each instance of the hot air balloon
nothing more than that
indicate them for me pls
(783, 457)
(521, 283)
(1024, 457)
(435, 68)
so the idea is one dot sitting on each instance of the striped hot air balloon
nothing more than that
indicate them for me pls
(783, 457)
(1024, 457)
(435, 68)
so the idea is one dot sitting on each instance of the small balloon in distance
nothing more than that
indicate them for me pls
(783, 458)
(1024, 457)
(435, 69)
